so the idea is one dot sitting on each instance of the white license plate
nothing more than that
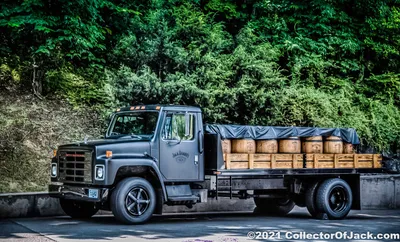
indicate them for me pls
(93, 193)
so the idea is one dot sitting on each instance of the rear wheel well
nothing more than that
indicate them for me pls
(301, 183)
(145, 172)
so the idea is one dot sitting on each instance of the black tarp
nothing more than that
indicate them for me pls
(348, 135)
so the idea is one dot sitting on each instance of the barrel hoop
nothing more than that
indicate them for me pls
(334, 141)
(290, 139)
(313, 141)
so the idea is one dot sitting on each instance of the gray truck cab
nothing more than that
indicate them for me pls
(151, 155)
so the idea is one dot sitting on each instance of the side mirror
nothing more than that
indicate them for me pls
(187, 124)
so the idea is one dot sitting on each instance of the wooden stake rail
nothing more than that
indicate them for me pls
(297, 161)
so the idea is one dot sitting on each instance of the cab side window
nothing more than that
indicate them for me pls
(174, 127)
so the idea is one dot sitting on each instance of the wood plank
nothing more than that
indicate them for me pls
(325, 164)
(273, 161)
(298, 161)
(284, 165)
(315, 161)
(251, 161)
(345, 157)
(376, 163)
(294, 161)
(262, 165)
(239, 165)
(365, 157)
(345, 165)
(356, 165)
(325, 157)
(238, 157)
(335, 161)
(365, 164)
(228, 162)
(309, 164)
(261, 157)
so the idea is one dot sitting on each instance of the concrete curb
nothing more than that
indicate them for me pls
(377, 192)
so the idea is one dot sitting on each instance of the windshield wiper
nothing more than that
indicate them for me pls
(132, 136)
(136, 136)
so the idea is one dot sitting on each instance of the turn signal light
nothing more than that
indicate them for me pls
(108, 153)
(54, 153)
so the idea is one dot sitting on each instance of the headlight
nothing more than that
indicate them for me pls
(99, 172)
(53, 169)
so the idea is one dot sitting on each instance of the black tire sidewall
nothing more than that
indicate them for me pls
(322, 199)
(118, 197)
(310, 199)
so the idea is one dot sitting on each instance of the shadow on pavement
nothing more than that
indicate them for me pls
(203, 227)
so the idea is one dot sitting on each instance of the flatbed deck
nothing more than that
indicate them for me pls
(246, 173)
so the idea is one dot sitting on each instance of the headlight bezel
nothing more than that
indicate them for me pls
(54, 167)
(102, 168)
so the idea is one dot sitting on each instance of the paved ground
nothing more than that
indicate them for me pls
(193, 228)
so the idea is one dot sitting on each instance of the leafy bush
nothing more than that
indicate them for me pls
(30, 130)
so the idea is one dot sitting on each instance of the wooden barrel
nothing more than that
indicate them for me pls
(348, 148)
(333, 145)
(267, 146)
(290, 145)
(244, 146)
(313, 144)
(226, 146)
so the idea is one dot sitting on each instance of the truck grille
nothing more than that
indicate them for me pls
(75, 166)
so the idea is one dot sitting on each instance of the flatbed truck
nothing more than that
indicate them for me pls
(154, 155)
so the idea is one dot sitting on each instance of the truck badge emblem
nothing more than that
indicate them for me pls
(180, 156)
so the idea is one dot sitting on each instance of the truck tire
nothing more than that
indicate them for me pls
(78, 209)
(334, 197)
(273, 206)
(133, 201)
(311, 199)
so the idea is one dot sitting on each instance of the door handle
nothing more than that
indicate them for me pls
(201, 148)
(174, 142)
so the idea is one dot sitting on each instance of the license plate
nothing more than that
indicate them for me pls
(93, 193)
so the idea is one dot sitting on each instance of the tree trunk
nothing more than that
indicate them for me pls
(37, 85)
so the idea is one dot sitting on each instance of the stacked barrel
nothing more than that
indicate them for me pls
(295, 153)
(290, 145)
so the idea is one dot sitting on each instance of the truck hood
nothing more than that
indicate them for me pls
(99, 142)
(119, 147)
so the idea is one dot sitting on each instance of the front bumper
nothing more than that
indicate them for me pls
(89, 194)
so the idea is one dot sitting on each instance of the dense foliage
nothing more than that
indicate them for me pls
(268, 62)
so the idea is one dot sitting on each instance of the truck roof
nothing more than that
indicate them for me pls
(167, 107)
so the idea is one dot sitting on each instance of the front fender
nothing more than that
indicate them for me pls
(114, 165)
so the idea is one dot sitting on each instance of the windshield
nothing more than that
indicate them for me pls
(134, 124)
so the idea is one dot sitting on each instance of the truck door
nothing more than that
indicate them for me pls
(179, 154)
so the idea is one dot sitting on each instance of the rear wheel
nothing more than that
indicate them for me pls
(78, 209)
(273, 206)
(334, 197)
(310, 199)
(133, 201)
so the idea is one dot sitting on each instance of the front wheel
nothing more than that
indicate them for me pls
(275, 206)
(133, 201)
(334, 197)
(78, 209)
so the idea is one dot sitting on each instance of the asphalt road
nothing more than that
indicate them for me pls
(202, 227)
